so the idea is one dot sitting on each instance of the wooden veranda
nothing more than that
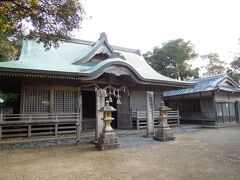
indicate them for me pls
(28, 125)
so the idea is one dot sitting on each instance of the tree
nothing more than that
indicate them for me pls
(232, 74)
(10, 49)
(215, 65)
(235, 64)
(171, 59)
(234, 71)
(49, 20)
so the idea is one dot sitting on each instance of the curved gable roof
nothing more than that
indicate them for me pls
(72, 58)
(101, 43)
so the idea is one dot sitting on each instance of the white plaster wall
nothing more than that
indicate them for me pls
(138, 100)
(225, 97)
(158, 97)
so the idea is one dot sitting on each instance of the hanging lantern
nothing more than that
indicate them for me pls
(118, 101)
(118, 98)
(110, 99)
(109, 94)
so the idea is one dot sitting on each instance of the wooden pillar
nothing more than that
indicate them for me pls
(51, 110)
(100, 102)
(22, 100)
(137, 119)
(150, 110)
(56, 129)
(215, 113)
(79, 115)
(1, 119)
(30, 126)
(51, 101)
(237, 111)
(215, 110)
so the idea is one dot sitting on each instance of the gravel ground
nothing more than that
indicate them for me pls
(201, 154)
(136, 140)
(127, 138)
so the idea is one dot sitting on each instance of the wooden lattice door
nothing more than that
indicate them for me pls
(36, 101)
(64, 101)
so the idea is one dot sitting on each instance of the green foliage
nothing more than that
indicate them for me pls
(50, 21)
(171, 59)
(235, 64)
(4, 97)
(234, 71)
(9, 49)
(232, 74)
(215, 65)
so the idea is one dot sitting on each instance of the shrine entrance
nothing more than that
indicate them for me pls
(89, 109)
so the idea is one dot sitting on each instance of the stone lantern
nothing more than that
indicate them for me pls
(108, 138)
(163, 132)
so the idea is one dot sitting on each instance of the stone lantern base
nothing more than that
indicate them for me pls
(107, 140)
(163, 134)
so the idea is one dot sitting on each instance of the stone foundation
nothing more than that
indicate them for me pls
(107, 140)
(163, 134)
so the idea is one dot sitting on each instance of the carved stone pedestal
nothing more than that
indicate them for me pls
(107, 140)
(163, 134)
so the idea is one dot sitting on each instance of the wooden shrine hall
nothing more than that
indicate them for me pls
(49, 92)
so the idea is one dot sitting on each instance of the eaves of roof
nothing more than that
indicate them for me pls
(58, 63)
(83, 76)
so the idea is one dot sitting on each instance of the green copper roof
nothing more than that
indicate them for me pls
(35, 57)
(74, 56)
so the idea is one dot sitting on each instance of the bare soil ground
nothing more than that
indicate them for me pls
(205, 154)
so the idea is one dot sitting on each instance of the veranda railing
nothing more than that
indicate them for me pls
(139, 118)
(16, 125)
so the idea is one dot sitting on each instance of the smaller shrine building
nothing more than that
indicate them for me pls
(214, 100)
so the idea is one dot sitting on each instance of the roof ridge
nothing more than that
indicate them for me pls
(220, 79)
(209, 77)
(119, 48)
(80, 41)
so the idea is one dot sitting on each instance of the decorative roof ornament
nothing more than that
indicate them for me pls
(103, 35)
(101, 46)
(138, 52)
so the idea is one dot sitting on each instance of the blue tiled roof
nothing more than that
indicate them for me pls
(204, 84)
